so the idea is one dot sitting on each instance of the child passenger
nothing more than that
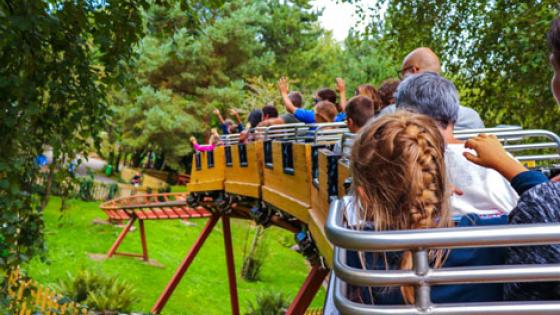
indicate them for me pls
(399, 183)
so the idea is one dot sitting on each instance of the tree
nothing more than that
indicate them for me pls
(57, 59)
(494, 50)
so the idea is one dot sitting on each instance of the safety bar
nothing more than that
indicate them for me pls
(423, 276)
(284, 131)
(326, 132)
(230, 139)
(487, 130)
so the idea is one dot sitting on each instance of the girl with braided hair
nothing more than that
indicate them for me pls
(399, 183)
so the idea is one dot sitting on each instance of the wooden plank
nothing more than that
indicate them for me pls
(243, 189)
(286, 203)
(316, 227)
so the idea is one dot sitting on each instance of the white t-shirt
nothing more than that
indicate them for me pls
(485, 191)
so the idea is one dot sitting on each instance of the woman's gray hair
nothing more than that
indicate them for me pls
(430, 94)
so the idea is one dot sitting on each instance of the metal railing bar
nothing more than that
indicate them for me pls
(345, 306)
(455, 275)
(464, 237)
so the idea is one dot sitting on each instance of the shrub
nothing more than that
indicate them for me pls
(253, 260)
(269, 303)
(100, 292)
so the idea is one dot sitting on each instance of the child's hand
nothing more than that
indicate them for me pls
(283, 85)
(489, 150)
(216, 111)
(340, 85)
(193, 139)
(491, 154)
(233, 112)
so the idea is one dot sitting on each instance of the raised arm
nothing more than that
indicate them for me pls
(283, 87)
(219, 115)
(341, 88)
(236, 115)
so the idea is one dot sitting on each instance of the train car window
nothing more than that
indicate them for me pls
(268, 154)
(332, 165)
(287, 158)
(229, 161)
(197, 161)
(315, 165)
(242, 148)
(210, 158)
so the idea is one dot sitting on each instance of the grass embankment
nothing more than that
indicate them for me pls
(204, 288)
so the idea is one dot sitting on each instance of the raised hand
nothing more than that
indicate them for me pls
(283, 85)
(216, 111)
(340, 85)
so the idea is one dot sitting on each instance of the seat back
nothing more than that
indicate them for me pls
(423, 277)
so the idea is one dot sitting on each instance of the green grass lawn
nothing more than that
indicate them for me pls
(203, 290)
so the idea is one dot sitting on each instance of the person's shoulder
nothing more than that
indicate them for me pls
(469, 119)
(388, 109)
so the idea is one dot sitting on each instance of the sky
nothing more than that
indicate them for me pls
(337, 17)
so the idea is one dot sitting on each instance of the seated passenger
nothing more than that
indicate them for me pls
(425, 60)
(387, 91)
(358, 111)
(369, 90)
(227, 125)
(484, 191)
(308, 115)
(288, 118)
(256, 117)
(399, 183)
(325, 112)
(213, 141)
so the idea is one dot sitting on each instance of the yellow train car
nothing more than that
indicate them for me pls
(208, 171)
(243, 169)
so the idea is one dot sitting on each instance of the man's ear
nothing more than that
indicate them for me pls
(350, 123)
(415, 69)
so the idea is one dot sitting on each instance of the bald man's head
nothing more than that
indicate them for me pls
(421, 60)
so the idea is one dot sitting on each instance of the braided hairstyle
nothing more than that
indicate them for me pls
(399, 178)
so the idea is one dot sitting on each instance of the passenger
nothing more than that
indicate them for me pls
(425, 60)
(227, 125)
(370, 91)
(325, 112)
(288, 118)
(540, 198)
(308, 115)
(399, 183)
(358, 111)
(256, 117)
(213, 142)
(387, 91)
(484, 191)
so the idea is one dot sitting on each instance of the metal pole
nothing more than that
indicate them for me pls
(143, 240)
(166, 294)
(230, 266)
(121, 237)
(308, 290)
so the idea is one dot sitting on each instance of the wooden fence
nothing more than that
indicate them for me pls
(28, 297)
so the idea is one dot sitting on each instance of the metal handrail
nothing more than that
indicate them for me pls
(422, 276)
(487, 130)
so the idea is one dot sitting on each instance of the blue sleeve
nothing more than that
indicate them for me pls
(527, 180)
(305, 115)
(225, 130)
(340, 117)
(240, 128)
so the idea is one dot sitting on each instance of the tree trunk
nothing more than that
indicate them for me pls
(48, 186)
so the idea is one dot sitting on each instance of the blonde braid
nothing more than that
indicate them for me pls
(424, 207)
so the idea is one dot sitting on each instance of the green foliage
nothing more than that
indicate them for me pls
(86, 187)
(57, 59)
(494, 50)
(269, 303)
(99, 292)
